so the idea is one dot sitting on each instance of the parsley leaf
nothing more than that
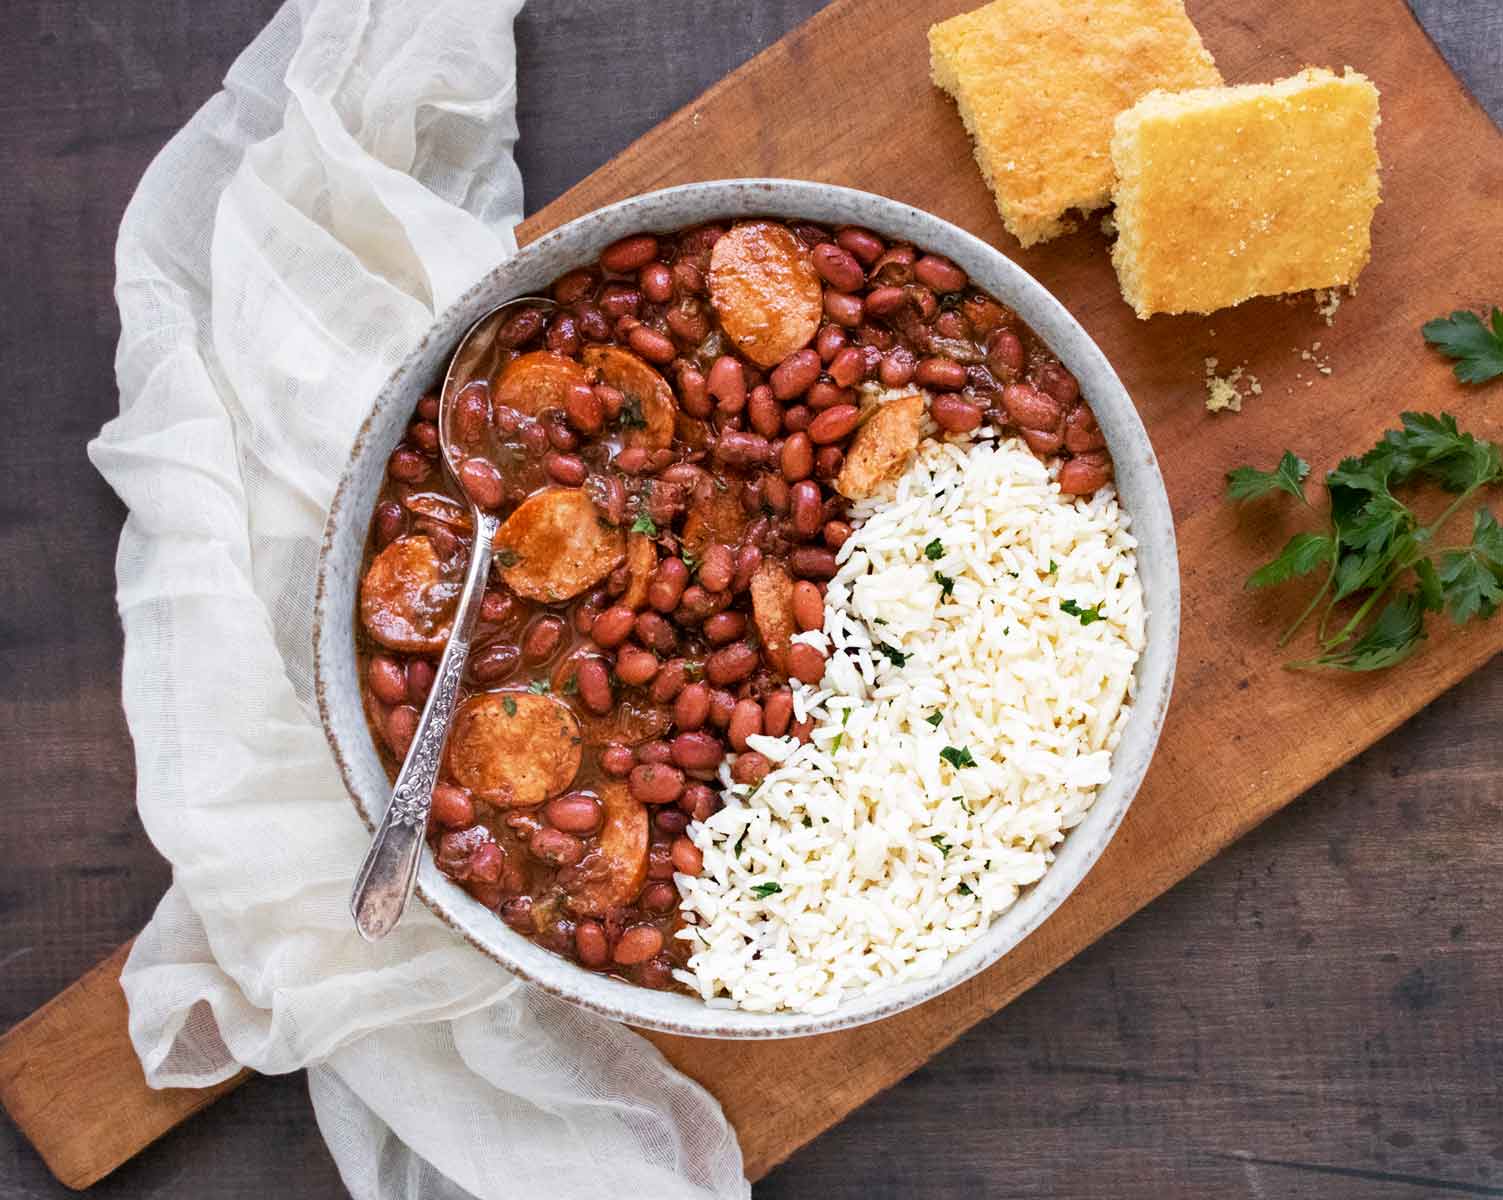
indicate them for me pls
(507, 557)
(763, 890)
(939, 841)
(1248, 483)
(1477, 349)
(1473, 578)
(1053, 568)
(1301, 555)
(510, 706)
(740, 841)
(946, 584)
(1087, 616)
(539, 687)
(645, 524)
(631, 414)
(964, 889)
(958, 758)
(935, 718)
(1393, 637)
(934, 550)
(896, 657)
(571, 686)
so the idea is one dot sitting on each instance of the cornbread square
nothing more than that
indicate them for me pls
(1038, 84)
(1228, 193)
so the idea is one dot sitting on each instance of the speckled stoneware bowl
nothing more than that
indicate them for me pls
(1138, 481)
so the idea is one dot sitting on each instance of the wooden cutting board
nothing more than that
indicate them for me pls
(846, 99)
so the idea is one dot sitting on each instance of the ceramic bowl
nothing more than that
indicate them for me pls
(1138, 481)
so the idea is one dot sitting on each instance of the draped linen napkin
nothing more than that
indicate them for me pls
(280, 257)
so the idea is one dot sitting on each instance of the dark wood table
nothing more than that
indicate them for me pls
(1319, 1012)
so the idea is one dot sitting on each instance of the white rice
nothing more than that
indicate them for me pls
(886, 857)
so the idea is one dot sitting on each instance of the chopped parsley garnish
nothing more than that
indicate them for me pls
(571, 685)
(958, 758)
(690, 561)
(840, 737)
(1053, 568)
(507, 557)
(1478, 350)
(510, 706)
(946, 584)
(740, 841)
(539, 687)
(693, 668)
(943, 846)
(934, 550)
(631, 414)
(935, 718)
(1086, 616)
(763, 890)
(645, 524)
(965, 890)
(896, 657)
(808, 824)
(960, 800)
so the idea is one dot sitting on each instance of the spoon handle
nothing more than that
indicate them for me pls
(386, 879)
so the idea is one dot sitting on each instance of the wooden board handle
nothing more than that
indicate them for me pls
(70, 1079)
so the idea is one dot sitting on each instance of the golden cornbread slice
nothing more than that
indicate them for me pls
(1038, 84)
(1228, 193)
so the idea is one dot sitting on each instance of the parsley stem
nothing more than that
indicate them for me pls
(1450, 512)
(1310, 608)
(1351, 626)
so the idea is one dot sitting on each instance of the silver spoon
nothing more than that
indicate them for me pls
(386, 878)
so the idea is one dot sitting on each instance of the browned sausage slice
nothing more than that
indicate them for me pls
(772, 610)
(513, 749)
(554, 546)
(407, 598)
(631, 722)
(765, 290)
(614, 873)
(650, 407)
(882, 447)
(715, 517)
(641, 561)
(539, 380)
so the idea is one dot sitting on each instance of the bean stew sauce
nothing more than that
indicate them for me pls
(672, 449)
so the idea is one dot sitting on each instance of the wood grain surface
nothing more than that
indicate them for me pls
(1313, 1014)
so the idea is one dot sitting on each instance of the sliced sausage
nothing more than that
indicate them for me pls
(407, 598)
(649, 412)
(641, 562)
(539, 380)
(765, 290)
(772, 610)
(882, 447)
(715, 517)
(513, 749)
(438, 507)
(553, 547)
(614, 872)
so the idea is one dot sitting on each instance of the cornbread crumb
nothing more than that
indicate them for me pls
(1228, 193)
(1327, 301)
(1038, 84)
(1223, 393)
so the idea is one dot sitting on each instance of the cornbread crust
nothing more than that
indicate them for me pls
(1228, 193)
(1038, 84)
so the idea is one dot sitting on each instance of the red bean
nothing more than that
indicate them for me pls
(808, 606)
(775, 494)
(655, 632)
(896, 369)
(746, 721)
(894, 267)
(845, 309)
(688, 278)
(655, 783)
(563, 334)
(884, 301)
(764, 412)
(717, 567)
(591, 945)
(727, 383)
(1055, 379)
(738, 449)
(486, 862)
(1029, 408)
(865, 245)
(748, 559)
(637, 945)
(692, 706)
(420, 676)
(659, 861)
(805, 663)
(656, 282)
(667, 585)
(658, 897)
(494, 663)
(687, 321)
(632, 460)
(797, 458)
(542, 639)
(750, 768)
(802, 731)
(1082, 475)
(1004, 355)
(731, 664)
(593, 324)
(618, 760)
(521, 328)
(941, 373)
(724, 627)
(826, 394)
(939, 273)
(453, 807)
(1082, 434)
(574, 812)
(837, 533)
(693, 392)
(427, 407)
(657, 751)
(635, 667)
(807, 508)
(424, 435)
(407, 466)
(576, 285)
(629, 254)
(777, 711)
(834, 424)
(613, 626)
(698, 801)
(794, 375)
(652, 345)
(671, 820)
(848, 367)
(829, 342)
(555, 847)
(670, 681)
(1043, 441)
(388, 681)
(838, 267)
(796, 418)
(697, 751)
(567, 469)
(954, 415)
(813, 562)
(391, 522)
(594, 685)
(482, 482)
(399, 728)
(687, 859)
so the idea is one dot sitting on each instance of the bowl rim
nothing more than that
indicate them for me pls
(677, 1013)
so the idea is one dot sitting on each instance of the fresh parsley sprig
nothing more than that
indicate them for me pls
(1374, 545)
(1478, 350)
